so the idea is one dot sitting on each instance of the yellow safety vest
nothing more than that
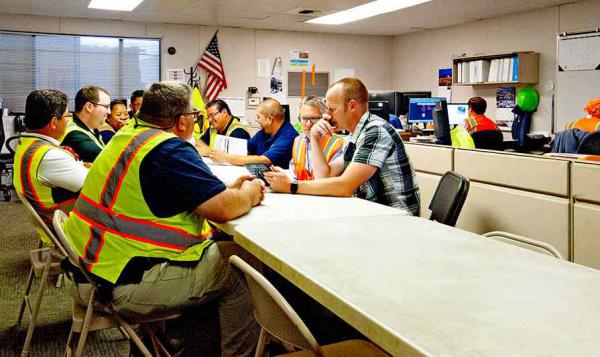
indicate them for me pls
(44, 199)
(72, 126)
(111, 223)
(235, 124)
(330, 145)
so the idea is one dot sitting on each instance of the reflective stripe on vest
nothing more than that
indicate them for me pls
(38, 194)
(118, 229)
(330, 145)
(72, 126)
(235, 124)
(480, 122)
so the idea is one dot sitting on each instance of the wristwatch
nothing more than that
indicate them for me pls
(293, 187)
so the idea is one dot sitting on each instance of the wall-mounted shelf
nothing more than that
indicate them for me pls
(497, 69)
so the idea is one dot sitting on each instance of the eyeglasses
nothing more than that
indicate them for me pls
(195, 114)
(310, 119)
(213, 115)
(107, 106)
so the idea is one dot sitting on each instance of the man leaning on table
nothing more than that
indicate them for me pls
(374, 165)
(150, 248)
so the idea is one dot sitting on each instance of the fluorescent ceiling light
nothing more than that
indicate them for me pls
(118, 5)
(370, 9)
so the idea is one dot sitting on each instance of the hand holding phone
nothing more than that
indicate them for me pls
(258, 170)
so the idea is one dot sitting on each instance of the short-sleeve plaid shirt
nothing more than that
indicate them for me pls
(376, 143)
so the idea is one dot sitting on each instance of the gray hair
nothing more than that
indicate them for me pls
(164, 102)
(315, 102)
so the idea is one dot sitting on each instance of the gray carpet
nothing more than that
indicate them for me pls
(17, 238)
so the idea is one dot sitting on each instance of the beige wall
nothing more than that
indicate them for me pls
(417, 57)
(240, 48)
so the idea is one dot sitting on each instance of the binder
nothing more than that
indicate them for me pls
(515, 76)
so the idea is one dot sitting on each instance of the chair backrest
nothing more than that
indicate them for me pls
(449, 197)
(488, 139)
(41, 225)
(273, 312)
(524, 242)
(590, 144)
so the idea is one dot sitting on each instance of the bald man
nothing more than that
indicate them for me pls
(272, 145)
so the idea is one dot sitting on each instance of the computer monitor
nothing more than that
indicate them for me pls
(457, 113)
(380, 108)
(286, 112)
(420, 110)
(440, 123)
(390, 97)
(403, 99)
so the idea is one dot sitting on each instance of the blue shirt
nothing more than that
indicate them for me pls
(278, 148)
(174, 179)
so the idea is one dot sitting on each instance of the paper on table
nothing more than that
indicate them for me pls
(231, 145)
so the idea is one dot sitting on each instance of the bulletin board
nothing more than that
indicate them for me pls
(577, 75)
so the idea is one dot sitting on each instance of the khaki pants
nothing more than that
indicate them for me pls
(175, 286)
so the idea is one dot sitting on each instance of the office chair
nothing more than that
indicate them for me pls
(448, 199)
(6, 162)
(99, 315)
(488, 139)
(590, 144)
(281, 323)
(45, 262)
(524, 242)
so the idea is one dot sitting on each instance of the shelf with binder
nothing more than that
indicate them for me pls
(497, 69)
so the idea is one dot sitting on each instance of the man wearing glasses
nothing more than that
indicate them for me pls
(222, 122)
(92, 104)
(45, 174)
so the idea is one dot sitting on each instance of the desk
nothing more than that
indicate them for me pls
(280, 207)
(226, 172)
(417, 287)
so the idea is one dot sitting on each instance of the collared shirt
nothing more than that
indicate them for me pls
(278, 147)
(309, 157)
(81, 143)
(237, 133)
(59, 168)
(376, 143)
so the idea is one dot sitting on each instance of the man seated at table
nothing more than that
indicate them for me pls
(477, 121)
(272, 145)
(222, 122)
(374, 165)
(92, 104)
(47, 175)
(307, 163)
(591, 123)
(116, 119)
(151, 248)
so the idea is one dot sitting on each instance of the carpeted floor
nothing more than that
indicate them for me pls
(17, 238)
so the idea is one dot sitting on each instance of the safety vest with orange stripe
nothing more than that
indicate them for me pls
(479, 122)
(233, 125)
(330, 145)
(111, 223)
(44, 199)
(587, 124)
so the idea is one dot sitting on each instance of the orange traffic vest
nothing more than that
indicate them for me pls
(330, 145)
(480, 122)
(587, 124)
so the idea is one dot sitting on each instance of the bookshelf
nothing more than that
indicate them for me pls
(497, 69)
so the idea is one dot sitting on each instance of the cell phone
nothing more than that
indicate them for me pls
(258, 170)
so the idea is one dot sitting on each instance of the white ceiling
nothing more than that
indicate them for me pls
(282, 14)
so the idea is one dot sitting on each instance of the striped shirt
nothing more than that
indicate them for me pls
(376, 143)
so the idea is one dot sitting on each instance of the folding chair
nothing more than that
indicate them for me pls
(524, 242)
(280, 322)
(448, 199)
(98, 315)
(45, 262)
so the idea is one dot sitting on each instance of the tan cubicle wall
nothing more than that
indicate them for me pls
(554, 200)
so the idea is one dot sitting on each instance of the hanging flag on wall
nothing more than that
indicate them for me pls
(211, 63)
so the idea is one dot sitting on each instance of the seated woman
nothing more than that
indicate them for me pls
(117, 119)
(591, 123)
(304, 164)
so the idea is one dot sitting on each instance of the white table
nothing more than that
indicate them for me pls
(226, 172)
(417, 287)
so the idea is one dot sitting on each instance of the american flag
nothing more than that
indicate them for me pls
(211, 63)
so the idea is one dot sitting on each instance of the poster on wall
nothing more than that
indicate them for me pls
(505, 102)
(176, 74)
(445, 77)
(299, 59)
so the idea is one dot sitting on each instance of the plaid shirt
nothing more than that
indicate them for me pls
(376, 143)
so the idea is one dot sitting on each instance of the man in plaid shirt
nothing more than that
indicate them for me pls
(374, 165)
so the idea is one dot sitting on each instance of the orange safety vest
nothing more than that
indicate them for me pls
(479, 122)
(330, 145)
(587, 124)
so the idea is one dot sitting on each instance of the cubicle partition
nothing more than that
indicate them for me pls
(549, 199)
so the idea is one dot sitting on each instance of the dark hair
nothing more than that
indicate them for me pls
(477, 104)
(86, 94)
(118, 101)
(42, 105)
(164, 101)
(220, 104)
(353, 89)
(136, 94)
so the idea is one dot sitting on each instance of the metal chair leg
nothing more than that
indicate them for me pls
(262, 341)
(25, 295)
